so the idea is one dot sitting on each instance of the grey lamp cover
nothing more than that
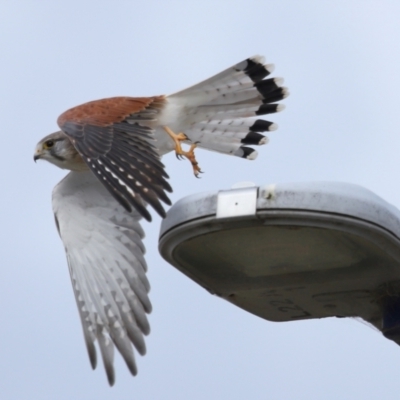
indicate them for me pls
(292, 251)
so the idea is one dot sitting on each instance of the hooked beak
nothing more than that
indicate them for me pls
(37, 155)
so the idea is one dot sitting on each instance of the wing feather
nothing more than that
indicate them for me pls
(114, 137)
(105, 255)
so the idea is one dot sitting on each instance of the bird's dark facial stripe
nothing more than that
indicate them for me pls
(56, 156)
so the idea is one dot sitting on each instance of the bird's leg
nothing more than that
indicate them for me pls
(178, 138)
(192, 158)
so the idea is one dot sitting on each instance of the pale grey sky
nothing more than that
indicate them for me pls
(340, 60)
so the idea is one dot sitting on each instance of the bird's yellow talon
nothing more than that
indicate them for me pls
(178, 138)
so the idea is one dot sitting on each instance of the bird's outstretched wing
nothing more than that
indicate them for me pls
(105, 254)
(114, 136)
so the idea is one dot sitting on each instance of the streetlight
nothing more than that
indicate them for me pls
(292, 251)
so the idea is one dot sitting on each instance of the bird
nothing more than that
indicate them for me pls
(113, 148)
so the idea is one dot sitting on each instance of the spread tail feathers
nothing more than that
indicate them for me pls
(220, 112)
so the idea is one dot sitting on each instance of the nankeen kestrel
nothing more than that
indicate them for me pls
(113, 148)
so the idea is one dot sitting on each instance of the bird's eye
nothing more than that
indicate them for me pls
(49, 143)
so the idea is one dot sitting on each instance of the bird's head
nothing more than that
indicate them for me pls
(57, 149)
